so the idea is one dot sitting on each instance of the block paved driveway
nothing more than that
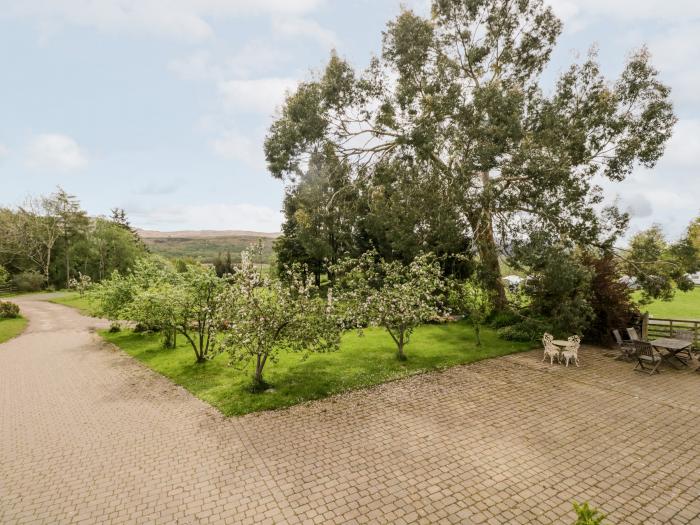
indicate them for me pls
(89, 435)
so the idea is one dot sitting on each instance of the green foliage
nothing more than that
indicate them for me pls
(659, 267)
(503, 319)
(28, 281)
(4, 275)
(319, 213)
(472, 298)
(159, 298)
(262, 317)
(528, 330)
(559, 285)
(53, 236)
(585, 515)
(390, 294)
(8, 310)
(467, 115)
(610, 298)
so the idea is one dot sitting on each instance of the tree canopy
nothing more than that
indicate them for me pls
(458, 98)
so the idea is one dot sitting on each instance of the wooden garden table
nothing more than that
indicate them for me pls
(674, 347)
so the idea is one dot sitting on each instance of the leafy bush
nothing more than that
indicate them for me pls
(527, 331)
(611, 299)
(470, 297)
(503, 319)
(8, 310)
(4, 275)
(28, 281)
(585, 515)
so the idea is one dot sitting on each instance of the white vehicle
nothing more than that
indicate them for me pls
(513, 281)
(631, 282)
(695, 277)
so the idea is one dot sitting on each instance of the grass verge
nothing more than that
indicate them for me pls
(685, 305)
(361, 362)
(10, 328)
(73, 299)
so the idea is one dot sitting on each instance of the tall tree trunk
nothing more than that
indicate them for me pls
(401, 342)
(481, 222)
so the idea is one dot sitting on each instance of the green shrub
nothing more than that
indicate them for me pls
(503, 319)
(8, 310)
(528, 331)
(585, 515)
(28, 281)
(4, 275)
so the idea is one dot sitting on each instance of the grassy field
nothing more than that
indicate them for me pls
(361, 362)
(685, 305)
(74, 300)
(10, 328)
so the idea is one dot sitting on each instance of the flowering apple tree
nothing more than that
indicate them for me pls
(393, 295)
(262, 316)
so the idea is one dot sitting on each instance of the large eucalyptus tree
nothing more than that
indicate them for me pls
(459, 96)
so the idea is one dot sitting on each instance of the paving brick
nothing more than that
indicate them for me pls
(89, 435)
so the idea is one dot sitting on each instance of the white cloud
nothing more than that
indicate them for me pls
(196, 66)
(261, 95)
(4, 151)
(236, 146)
(302, 27)
(571, 10)
(683, 150)
(208, 217)
(175, 18)
(255, 57)
(55, 152)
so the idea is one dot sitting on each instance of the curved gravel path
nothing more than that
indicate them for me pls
(89, 435)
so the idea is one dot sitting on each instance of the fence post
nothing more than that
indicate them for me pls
(645, 326)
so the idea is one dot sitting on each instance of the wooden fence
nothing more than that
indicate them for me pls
(6, 289)
(653, 327)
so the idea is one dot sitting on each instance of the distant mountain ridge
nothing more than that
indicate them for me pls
(204, 234)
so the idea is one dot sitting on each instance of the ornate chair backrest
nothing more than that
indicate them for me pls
(574, 343)
(617, 336)
(685, 335)
(642, 348)
(547, 339)
(633, 334)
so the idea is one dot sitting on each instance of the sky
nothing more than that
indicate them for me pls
(161, 106)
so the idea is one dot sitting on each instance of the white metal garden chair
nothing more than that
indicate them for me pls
(570, 353)
(550, 349)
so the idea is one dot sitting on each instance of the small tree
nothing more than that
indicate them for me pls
(187, 303)
(393, 295)
(261, 317)
(82, 284)
(4, 275)
(473, 299)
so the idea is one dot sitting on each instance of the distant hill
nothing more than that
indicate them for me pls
(205, 245)
(204, 234)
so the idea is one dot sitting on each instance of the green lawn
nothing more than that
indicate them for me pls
(74, 300)
(10, 328)
(361, 362)
(685, 305)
